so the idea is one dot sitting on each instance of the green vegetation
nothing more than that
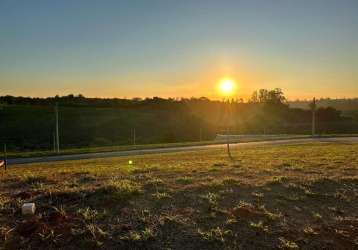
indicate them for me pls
(23, 154)
(346, 104)
(28, 124)
(286, 197)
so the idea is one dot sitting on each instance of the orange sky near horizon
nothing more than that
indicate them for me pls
(200, 83)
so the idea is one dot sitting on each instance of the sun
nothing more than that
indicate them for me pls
(227, 86)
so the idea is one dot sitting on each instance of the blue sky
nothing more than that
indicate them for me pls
(178, 48)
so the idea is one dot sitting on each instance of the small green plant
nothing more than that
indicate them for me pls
(308, 192)
(123, 189)
(293, 186)
(287, 244)
(132, 236)
(217, 234)
(215, 184)
(135, 236)
(293, 197)
(231, 221)
(147, 234)
(88, 213)
(184, 180)
(161, 195)
(336, 210)
(309, 231)
(257, 194)
(96, 233)
(259, 226)
(86, 179)
(90, 233)
(212, 198)
(35, 180)
(214, 169)
(158, 186)
(50, 236)
(226, 191)
(155, 182)
(278, 179)
(236, 166)
(341, 195)
(355, 241)
(219, 164)
(244, 204)
(60, 209)
(229, 181)
(298, 168)
(269, 215)
(317, 216)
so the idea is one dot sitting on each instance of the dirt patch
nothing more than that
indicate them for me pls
(24, 195)
(27, 228)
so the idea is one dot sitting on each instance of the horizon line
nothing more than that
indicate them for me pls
(175, 98)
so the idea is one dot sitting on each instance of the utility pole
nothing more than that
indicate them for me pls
(228, 117)
(5, 156)
(54, 142)
(313, 107)
(57, 136)
(228, 143)
(200, 134)
(134, 135)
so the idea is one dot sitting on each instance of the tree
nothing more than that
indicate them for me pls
(275, 96)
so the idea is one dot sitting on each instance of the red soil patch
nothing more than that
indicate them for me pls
(125, 227)
(26, 194)
(245, 213)
(27, 228)
(57, 219)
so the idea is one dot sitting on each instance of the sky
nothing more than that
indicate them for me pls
(170, 48)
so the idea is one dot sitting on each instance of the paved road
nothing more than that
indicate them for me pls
(176, 149)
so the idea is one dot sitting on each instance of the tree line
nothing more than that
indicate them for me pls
(28, 123)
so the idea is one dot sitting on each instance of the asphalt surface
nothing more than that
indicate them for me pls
(345, 140)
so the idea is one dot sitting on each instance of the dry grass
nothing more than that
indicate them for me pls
(287, 197)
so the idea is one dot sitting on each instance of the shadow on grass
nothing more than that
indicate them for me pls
(210, 213)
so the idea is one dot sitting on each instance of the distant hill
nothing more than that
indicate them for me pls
(349, 107)
(340, 104)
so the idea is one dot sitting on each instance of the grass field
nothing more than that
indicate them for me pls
(83, 150)
(269, 197)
